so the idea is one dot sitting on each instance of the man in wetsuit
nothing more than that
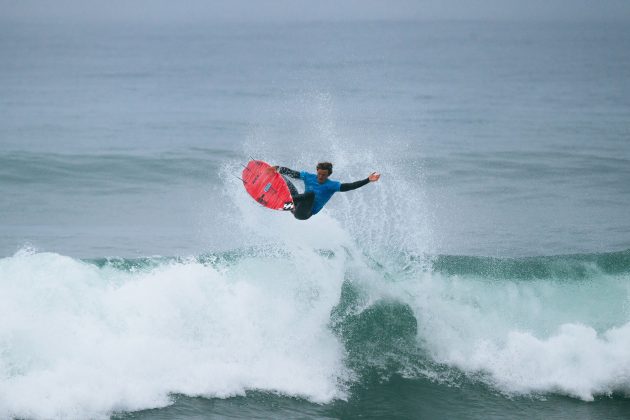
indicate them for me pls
(317, 188)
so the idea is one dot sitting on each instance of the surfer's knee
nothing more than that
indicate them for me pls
(301, 216)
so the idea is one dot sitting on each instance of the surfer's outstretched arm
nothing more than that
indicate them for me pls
(349, 186)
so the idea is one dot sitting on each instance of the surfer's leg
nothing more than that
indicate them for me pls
(303, 205)
(303, 202)
(292, 188)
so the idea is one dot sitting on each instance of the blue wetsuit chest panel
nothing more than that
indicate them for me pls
(323, 192)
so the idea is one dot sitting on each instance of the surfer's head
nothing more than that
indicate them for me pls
(324, 169)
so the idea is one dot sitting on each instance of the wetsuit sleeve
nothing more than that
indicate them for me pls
(289, 172)
(349, 186)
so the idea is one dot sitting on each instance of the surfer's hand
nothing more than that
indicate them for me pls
(272, 169)
(374, 176)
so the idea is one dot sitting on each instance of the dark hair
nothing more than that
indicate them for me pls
(325, 165)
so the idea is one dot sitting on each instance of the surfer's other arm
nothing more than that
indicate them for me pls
(286, 171)
(349, 186)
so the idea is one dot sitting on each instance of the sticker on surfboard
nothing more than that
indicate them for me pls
(267, 187)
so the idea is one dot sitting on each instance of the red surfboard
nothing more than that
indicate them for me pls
(266, 187)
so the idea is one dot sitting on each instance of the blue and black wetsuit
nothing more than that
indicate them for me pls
(315, 195)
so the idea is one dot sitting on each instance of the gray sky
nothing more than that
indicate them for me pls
(306, 10)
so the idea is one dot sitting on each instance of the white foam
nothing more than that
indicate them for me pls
(77, 341)
(575, 361)
(532, 337)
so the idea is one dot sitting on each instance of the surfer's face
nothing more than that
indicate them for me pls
(322, 175)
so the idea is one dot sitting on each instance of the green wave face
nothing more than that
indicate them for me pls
(569, 267)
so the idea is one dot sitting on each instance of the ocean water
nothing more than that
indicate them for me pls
(486, 275)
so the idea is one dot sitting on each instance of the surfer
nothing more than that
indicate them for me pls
(317, 188)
